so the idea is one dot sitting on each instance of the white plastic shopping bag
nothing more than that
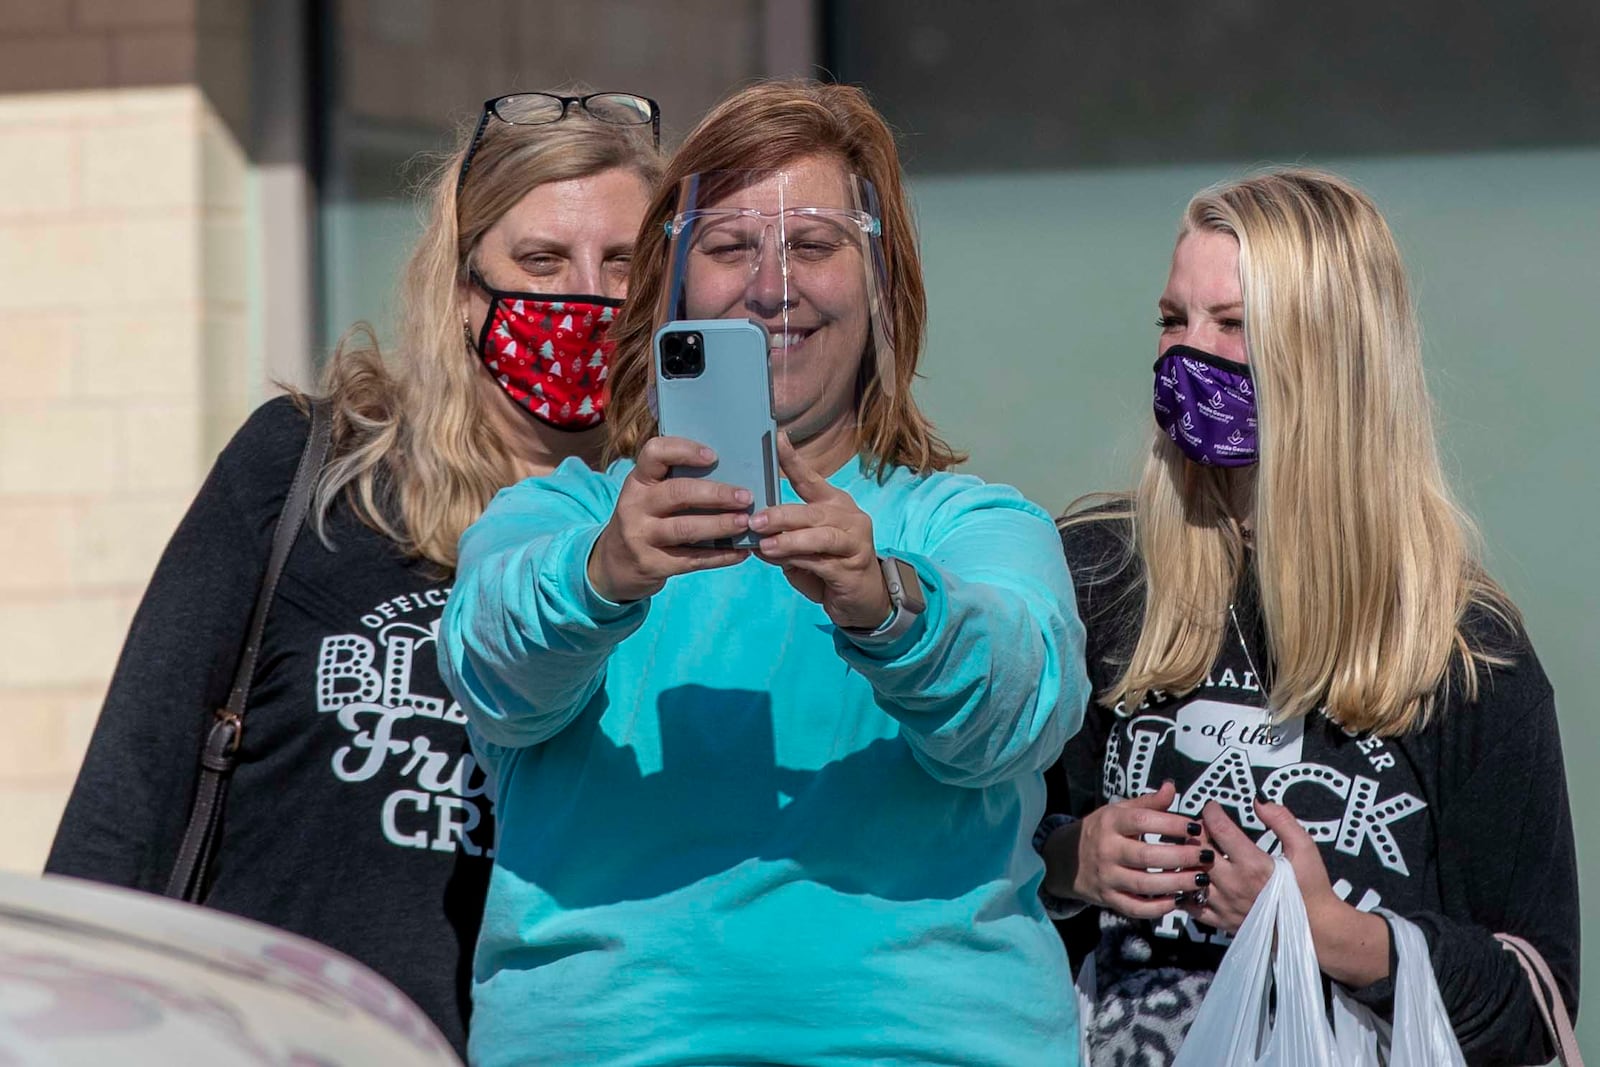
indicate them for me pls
(1265, 1006)
(1421, 1035)
(1272, 959)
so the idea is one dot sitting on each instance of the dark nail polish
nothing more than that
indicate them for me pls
(1207, 856)
(1177, 898)
(1194, 829)
(1202, 879)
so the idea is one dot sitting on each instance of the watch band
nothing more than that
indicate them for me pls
(905, 599)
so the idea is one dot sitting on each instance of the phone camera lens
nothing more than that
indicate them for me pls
(694, 358)
(682, 355)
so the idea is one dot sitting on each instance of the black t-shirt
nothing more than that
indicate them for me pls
(1462, 827)
(357, 815)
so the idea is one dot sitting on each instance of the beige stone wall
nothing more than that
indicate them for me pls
(122, 313)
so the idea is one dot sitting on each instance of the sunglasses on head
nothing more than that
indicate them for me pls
(540, 109)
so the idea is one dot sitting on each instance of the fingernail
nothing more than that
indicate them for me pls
(1207, 856)
(743, 496)
(1194, 829)
(759, 520)
(1178, 897)
(707, 455)
(1168, 781)
(741, 520)
(1202, 879)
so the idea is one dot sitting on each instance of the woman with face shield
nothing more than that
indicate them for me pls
(774, 804)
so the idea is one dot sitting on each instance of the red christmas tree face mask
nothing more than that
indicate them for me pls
(549, 353)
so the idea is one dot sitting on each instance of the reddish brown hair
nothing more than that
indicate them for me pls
(764, 127)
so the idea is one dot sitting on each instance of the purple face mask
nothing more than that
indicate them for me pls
(1207, 405)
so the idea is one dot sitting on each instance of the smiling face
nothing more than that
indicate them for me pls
(802, 275)
(1203, 305)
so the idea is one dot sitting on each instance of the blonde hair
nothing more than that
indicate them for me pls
(1366, 564)
(415, 452)
(763, 127)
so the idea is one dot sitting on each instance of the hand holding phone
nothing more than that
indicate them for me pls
(662, 525)
(686, 505)
(825, 546)
(713, 385)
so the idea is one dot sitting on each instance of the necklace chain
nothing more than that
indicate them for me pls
(1245, 648)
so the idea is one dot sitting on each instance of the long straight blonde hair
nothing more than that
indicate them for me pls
(415, 453)
(1366, 564)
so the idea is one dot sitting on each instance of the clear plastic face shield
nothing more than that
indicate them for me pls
(798, 251)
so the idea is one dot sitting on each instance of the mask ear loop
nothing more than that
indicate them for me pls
(466, 320)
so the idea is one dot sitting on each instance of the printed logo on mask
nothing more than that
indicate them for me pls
(1219, 429)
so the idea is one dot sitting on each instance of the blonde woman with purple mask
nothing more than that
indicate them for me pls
(1294, 648)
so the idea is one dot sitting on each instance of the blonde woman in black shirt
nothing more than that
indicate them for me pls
(1295, 647)
(356, 815)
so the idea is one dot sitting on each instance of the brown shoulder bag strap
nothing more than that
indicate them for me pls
(189, 880)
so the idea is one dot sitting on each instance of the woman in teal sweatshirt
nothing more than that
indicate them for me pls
(771, 806)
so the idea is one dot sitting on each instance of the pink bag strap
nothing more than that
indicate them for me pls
(1548, 996)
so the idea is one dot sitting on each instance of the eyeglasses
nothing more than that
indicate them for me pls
(812, 236)
(705, 219)
(539, 109)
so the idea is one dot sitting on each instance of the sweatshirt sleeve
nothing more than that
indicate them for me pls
(125, 816)
(524, 638)
(1506, 864)
(1099, 559)
(990, 684)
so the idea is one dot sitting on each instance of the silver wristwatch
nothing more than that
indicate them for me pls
(906, 599)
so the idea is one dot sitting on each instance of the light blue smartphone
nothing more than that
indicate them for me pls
(713, 385)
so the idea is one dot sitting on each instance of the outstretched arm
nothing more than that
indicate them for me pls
(558, 571)
(990, 682)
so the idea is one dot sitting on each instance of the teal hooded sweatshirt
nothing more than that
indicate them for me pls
(729, 835)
